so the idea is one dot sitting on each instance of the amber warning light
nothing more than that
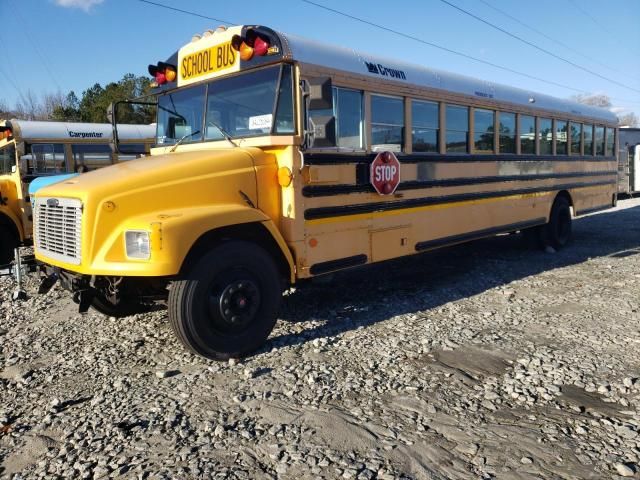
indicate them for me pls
(163, 73)
(252, 44)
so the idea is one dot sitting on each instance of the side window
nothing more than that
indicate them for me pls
(425, 128)
(527, 134)
(599, 140)
(507, 131)
(457, 133)
(347, 111)
(47, 159)
(7, 159)
(561, 137)
(610, 151)
(387, 123)
(347, 108)
(91, 156)
(545, 136)
(587, 132)
(576, 133)
(483, 121)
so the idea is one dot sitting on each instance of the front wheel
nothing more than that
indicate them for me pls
(227, 305)
(557, 232)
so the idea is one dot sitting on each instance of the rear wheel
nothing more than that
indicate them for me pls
(227, 305)
(557, 232)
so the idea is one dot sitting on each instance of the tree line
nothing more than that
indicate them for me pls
(90, 107)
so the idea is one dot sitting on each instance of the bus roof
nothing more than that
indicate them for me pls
(315, 53)
(25, 130)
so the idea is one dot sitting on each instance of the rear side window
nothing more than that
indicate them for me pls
(424, 132)
(561, 137)
(457, 134)
(610, 150)
(527, 134)
(484, 129)
(507, 131)
(587, 132)
(46, 159)
(90, 157)
(545, 136)
(599, 140)
(387, 122)
(576, 133)
(347, 105)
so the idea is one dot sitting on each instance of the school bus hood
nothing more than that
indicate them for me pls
(177, 177)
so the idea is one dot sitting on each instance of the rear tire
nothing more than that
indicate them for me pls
(227, 304)
(557, 232)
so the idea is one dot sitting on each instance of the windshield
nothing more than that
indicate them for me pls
(241, 106)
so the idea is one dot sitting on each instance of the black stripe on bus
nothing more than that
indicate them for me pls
(331, 265)
(343, 210)
(478, 234)
(330, 190)
(333, 158)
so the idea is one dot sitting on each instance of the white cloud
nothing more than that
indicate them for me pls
(85, 5)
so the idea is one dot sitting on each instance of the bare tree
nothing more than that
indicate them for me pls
(30, 108)
(597, 100)
(629, 120)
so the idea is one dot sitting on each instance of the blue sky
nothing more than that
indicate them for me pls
(71, 44)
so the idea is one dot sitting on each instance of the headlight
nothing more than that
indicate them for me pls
(137, 244)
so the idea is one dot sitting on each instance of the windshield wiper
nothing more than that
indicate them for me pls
(184, 137)
(224, 133)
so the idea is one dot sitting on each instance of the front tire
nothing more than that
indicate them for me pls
(8, 244)
(227, 304)
(557, 232)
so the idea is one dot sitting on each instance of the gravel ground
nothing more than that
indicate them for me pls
(486, 360)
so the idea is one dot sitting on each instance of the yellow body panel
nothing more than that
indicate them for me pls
(13, 205)
(154, 194)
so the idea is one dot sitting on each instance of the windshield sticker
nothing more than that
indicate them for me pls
(260, 122)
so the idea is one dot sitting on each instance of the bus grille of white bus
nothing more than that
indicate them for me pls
(57, 228)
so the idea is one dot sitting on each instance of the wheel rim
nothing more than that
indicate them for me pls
(234, 303)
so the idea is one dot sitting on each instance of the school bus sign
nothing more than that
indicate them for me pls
(208, 61)
(208, 57)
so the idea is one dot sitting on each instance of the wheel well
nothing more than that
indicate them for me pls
(6, 222)
(253, 232)
(567, 196)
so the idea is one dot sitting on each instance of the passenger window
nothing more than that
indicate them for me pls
(527, 134)
(91, 157)
(610, 151)
(561, 137)
(457, 133)
(545, 136)
(425, 128)
(483, 121)
(347, 107)
(7, 159)
(47, 159)
(387, 122)
(576, 133)
(587, 133)
(507, 132)
(599, 140)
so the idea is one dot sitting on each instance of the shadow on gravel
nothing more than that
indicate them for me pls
(368, 295)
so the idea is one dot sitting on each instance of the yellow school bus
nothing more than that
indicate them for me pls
(280, 159)
(38, 149)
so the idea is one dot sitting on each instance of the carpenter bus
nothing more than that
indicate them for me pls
(46, 150)
(280, 159)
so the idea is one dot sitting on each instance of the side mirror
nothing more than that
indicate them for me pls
(320, 93)
(323, 130)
